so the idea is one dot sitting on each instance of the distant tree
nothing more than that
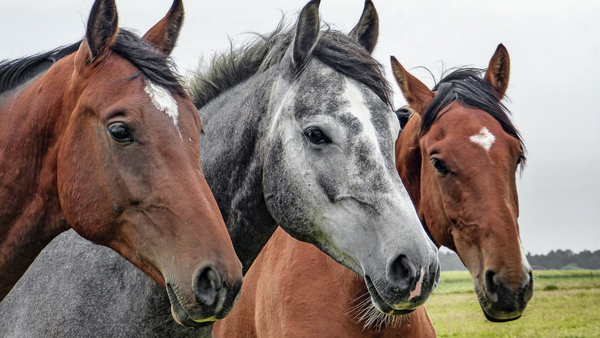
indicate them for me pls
(559, 259)
(554, 260)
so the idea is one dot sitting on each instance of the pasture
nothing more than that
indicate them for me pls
(564, 304)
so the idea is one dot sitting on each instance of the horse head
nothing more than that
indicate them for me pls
(329, 174)
(128, 170)
(458, 156)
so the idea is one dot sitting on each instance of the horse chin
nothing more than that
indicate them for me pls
(380, 304)
(501, 317)
(181, 316)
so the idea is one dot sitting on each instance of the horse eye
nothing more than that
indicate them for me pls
(316, 135)
(439, 166)
(120, 132)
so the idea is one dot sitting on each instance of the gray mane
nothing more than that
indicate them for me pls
(335, 49)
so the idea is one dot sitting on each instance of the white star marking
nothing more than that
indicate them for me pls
(484, 139)
(163, 101)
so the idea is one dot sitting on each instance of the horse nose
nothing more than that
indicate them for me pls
(402, 272)
(510, 299)
(491, 285)
(207, 284)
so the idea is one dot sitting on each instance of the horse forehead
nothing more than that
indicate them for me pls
(464, 127)
(120, 68)
(484, 138)
(467, 121)
(483, 129)
(358, 106)
(327, 92)
(163, 100)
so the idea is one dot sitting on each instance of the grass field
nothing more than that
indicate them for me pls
(565, 304)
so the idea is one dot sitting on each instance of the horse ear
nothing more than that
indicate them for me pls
(415, 92)
(366, 31)
(101, 28)
(498, 71)
(165, 33)
(307, 32)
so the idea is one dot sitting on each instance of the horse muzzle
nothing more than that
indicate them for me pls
(213, 298)
(405, 287)
(501, 304)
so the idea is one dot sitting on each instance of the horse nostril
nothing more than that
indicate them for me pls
(491, 288)
(207, 284)
(401, 272)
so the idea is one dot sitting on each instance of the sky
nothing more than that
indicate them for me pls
(554, 48)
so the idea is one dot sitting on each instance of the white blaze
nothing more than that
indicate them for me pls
(163, 101)
(484, 139)
(360, 111)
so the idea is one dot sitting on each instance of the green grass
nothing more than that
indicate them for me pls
(565, 304)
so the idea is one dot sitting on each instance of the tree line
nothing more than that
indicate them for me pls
(564, 259)
(554, 260)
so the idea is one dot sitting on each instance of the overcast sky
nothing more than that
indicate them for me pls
(555, 66)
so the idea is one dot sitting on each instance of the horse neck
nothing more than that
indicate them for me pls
(231, 157)
(31, 214)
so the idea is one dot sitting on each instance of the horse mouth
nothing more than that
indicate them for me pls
(495, 315)
(380, 304)
(508, 318)
(180, 315)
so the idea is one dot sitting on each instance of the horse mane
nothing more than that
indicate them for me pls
(465, 85)
(154, 65)
(14, 73)
(403, 114)
(335, 49)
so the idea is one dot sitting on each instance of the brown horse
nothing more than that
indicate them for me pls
(106, 142)
(457, 157)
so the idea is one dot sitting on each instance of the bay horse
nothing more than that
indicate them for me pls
(105, 141)
(471, 179)
(457, 156)
(298, 131)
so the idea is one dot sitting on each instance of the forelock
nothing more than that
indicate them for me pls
(466, 86)
(156, 67)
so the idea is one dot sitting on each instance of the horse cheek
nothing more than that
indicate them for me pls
(82, 186)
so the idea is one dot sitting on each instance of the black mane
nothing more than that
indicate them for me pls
(403, 114)
(335, 49)
(14, 73)
(154, 65)
(466, 86)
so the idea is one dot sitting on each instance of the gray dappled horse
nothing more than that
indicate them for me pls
(298, 131)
